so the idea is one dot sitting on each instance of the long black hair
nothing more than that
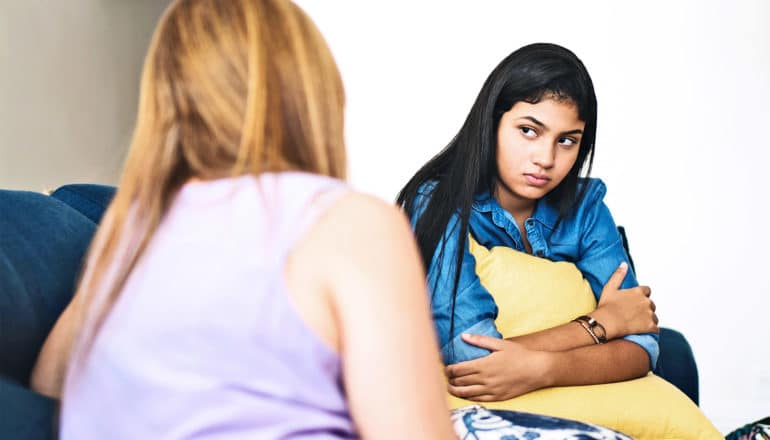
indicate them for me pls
(468, 165)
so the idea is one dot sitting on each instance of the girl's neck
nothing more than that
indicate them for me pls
(519, 207)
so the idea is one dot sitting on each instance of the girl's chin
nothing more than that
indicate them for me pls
(531, 193)
(523, 191)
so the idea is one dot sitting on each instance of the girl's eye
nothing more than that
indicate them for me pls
(528, 132)
(567, 142)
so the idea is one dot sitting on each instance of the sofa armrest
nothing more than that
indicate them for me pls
(24, 414)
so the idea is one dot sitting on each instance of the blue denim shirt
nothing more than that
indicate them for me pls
(587, 237)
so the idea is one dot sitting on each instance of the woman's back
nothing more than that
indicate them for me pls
(204, 341)
(183, 299)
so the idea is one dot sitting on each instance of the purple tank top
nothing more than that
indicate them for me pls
(203, 342)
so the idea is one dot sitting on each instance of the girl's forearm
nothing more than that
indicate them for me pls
(564, 337)
(571, 335)
(615, 361)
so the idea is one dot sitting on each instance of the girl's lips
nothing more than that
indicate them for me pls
(535, 180)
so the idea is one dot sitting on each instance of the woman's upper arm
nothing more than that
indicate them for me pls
(51, 365)
(391, 363)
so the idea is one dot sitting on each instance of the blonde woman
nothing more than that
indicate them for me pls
(237, 288)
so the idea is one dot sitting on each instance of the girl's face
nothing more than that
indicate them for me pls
(537, 145)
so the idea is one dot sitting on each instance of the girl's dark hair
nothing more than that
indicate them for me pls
(468, 165)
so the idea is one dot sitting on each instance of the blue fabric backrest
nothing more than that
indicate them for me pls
(91, 200)
(42, 245)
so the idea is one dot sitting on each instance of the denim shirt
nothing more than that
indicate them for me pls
(587, 237)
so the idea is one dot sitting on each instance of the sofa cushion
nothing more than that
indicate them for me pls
(42, 245)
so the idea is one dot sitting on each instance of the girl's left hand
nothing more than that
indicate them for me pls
(509, 371)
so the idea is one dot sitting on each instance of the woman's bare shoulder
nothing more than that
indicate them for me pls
(362, 216)
(363, 234)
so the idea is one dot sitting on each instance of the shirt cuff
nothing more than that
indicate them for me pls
(457, 350)
(649, 342)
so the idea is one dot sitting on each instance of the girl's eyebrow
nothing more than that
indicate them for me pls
(541, 125)
(534, 121)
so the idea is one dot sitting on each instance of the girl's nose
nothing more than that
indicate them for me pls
(543, 155)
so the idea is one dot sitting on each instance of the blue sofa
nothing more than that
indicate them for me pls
(43, 240)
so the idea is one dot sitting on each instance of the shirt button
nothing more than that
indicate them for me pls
(530, 222)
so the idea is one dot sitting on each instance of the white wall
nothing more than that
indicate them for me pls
(68, 87)
(683, 91)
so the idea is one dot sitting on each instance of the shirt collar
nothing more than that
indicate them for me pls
(545, 212)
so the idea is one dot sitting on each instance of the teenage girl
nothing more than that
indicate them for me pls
(512, 177)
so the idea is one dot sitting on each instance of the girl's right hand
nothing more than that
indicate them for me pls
(625, 311)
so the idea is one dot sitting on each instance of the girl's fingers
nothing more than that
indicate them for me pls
(617, 277)
(471, 379)
(488, 342)
(471, 392)
(464, 368)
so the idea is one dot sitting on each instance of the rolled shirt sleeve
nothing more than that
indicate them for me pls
(602, 251)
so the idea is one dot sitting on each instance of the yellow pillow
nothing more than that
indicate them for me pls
(534, 294)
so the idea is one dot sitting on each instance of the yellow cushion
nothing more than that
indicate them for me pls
(534, 294)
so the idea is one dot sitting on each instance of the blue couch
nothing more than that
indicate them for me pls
(43, 240)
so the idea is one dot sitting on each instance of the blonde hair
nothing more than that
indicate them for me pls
(229, 87)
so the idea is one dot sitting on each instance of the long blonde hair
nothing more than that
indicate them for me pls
(229, 87)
